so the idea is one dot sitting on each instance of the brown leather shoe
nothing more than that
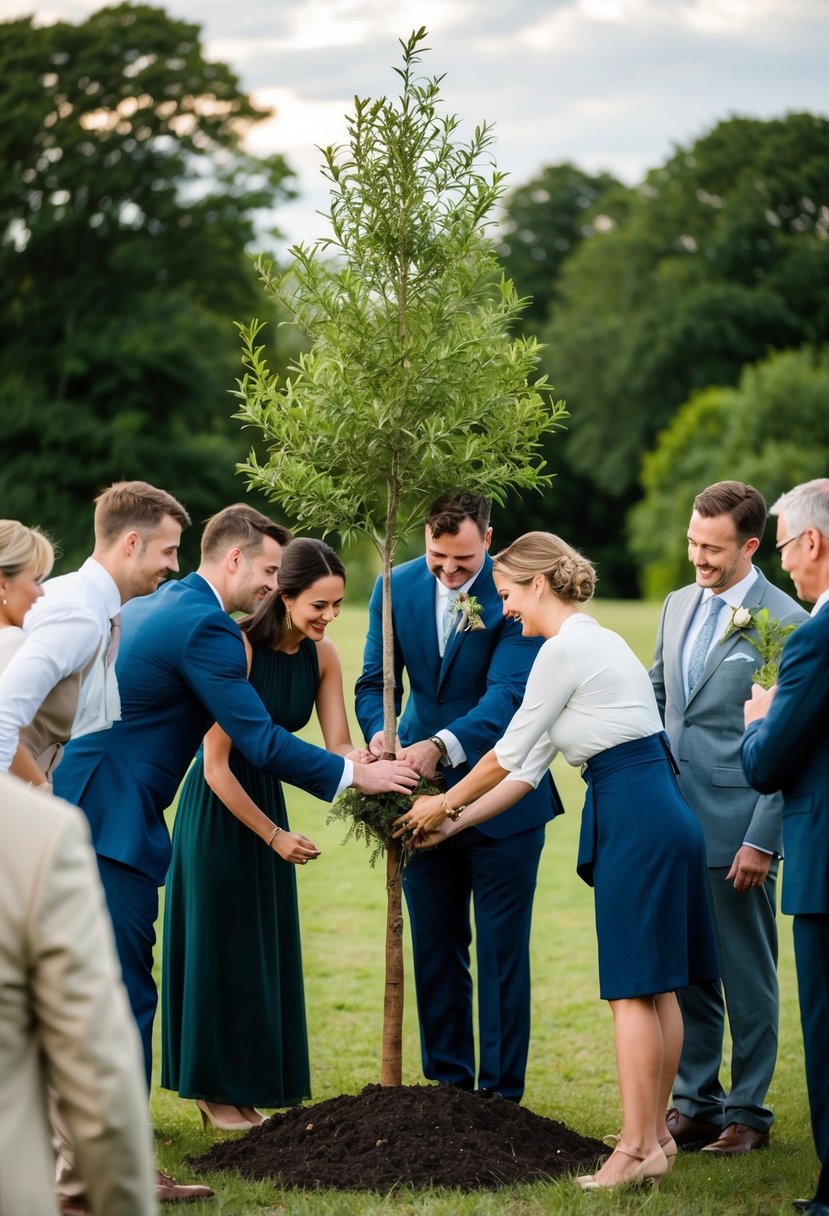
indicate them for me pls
(167, 1190)
(690, 1134)
(737, 1138)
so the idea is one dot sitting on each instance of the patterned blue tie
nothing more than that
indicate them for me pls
(448, 617)
(699, 652)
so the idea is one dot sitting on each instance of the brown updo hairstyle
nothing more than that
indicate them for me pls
(304, 560)
(570, 576)
(21, 547)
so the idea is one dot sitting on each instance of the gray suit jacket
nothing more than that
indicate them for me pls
(706, 729)
(64, 1019)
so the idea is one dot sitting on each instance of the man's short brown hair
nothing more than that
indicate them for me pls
(742, 502)
(239, 526)
(447, 513)
(134, 505)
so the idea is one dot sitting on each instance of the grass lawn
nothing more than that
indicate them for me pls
(571, 1073)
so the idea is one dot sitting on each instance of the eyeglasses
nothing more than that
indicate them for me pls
(783, 543)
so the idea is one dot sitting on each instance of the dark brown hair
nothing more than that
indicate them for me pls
(446, 514)
(239, 526)
(742, 502)
(134, 505)
(303, 561)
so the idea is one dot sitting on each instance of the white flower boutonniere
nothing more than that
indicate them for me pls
(470, 611)
(767, 636)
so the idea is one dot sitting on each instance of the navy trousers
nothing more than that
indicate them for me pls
(811, 948)
(132, 899)
(498, 878)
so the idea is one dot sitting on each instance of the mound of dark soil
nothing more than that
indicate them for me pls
(411, 1135)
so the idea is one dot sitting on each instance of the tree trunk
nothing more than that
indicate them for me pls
(391, 1064)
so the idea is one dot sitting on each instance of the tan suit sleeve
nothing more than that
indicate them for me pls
(88, 1037)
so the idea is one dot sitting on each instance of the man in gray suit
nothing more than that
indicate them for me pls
(701, 681)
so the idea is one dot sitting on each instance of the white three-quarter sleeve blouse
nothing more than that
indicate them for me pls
(587, 691)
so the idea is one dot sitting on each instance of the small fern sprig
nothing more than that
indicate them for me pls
(370, 816)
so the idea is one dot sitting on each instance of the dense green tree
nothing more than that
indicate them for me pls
(721, 256)
(126, 203)
(771, 430)
(544, 221)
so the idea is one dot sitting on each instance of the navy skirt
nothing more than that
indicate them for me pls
(642, 850)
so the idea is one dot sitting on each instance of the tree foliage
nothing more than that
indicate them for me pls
(721, 256)
(126, 203)
(772, 431)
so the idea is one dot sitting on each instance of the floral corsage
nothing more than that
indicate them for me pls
(767, 635)
(471, 613)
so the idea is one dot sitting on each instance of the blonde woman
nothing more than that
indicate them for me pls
(641, 847)
(26, 558)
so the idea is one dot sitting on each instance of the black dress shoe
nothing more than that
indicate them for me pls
(690, 1134)
(811, 1206)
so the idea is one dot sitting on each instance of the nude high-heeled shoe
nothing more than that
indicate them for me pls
(668, 1146)
(253, 1116)
(652, 1168)
(222, 1122)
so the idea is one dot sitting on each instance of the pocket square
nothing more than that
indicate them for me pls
(732, 658)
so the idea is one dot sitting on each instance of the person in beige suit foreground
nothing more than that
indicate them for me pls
(64, 1019)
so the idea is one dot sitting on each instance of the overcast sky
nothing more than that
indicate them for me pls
(608, 84)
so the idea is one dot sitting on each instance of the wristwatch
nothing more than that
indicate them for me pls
(441, 746)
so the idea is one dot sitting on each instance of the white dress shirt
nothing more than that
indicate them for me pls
(63, 631)
(586, 692)
(822, 599)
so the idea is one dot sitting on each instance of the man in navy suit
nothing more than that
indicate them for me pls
(464, 687)
(181, 666)
(786, 747)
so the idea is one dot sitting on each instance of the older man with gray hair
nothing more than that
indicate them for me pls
(786, 747)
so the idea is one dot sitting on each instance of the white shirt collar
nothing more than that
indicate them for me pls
(103, 580)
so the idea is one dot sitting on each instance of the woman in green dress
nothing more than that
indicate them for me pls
(233, 1032)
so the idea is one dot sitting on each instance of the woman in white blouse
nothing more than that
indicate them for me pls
(26, 558)
(641, 847)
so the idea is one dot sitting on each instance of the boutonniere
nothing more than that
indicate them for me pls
(766, 634)
(471, 613)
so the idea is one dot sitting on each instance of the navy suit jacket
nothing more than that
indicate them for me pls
(473, 691)
(181, 666)
(788, 750)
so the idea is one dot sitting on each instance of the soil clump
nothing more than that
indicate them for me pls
(409, 1135)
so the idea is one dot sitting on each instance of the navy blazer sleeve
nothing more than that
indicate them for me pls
(369, 688)
(213, 665)
(509, 666)
(775, 748)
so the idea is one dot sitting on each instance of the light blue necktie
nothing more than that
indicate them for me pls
(448, 617)
(699, 651)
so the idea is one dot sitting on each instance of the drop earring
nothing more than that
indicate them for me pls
(289, 624)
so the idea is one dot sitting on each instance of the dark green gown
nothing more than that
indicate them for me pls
(233, 1004)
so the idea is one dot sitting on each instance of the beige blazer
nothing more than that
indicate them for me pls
(64, 1018)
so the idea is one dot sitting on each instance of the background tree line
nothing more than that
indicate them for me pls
(684, 318)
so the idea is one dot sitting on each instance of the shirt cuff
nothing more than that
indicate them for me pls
(347, 777)
(759, 848)
(455, 754)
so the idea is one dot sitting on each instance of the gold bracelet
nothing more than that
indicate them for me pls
(449, 813)
(274, 833)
